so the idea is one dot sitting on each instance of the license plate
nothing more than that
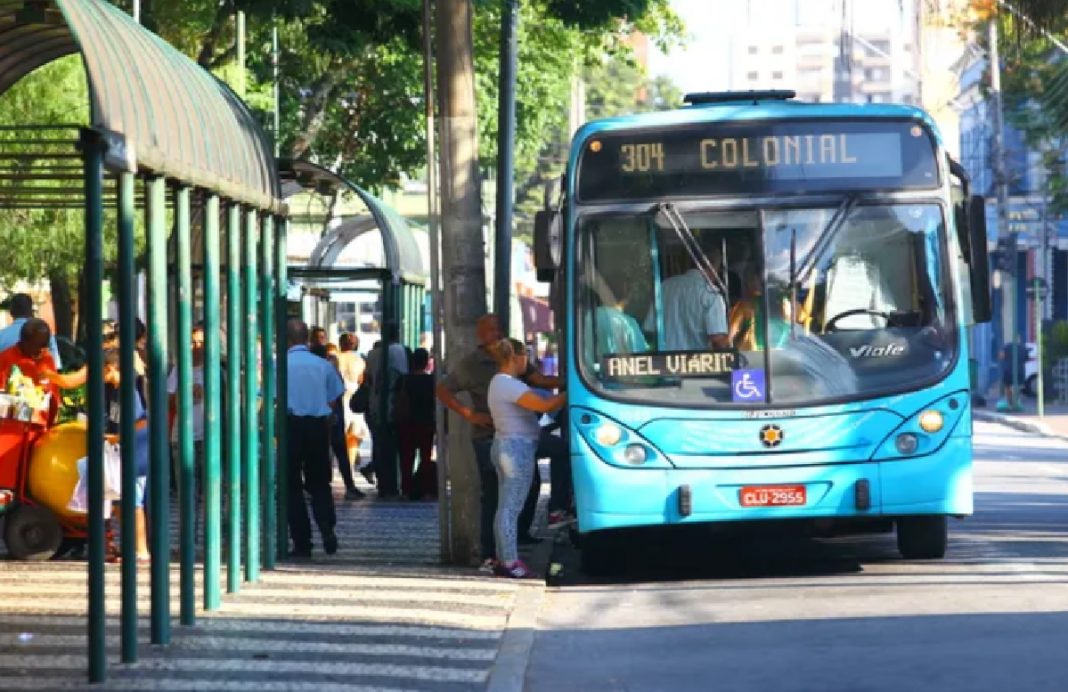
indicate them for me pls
(773, 496)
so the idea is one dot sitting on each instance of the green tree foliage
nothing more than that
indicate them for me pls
(1035, 95)
(614, 87)
(350, 77)
(48, 244)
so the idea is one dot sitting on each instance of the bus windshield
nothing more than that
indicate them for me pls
(784, 306)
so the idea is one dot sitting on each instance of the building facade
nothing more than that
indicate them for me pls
(1041, 238)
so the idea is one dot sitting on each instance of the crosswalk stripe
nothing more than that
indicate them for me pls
(260, 610)
(45, 592)
(55, 683)
(72, 642)
(213, 623)
(176, 664)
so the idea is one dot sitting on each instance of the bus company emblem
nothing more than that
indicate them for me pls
(771, 436)
(869, 351)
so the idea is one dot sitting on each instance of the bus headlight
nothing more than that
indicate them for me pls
(635, 455)
(931, 421)
(608, 434)
(907, 443)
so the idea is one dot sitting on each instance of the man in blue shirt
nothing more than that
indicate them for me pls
(314, 388)
(20, 306)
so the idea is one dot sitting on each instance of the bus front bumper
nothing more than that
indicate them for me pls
(611, 497)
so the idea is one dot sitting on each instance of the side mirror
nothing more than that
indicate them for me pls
(548, 243)
(982, 304)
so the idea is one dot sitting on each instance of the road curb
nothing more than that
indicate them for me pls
(1017, 424)
(510, 669)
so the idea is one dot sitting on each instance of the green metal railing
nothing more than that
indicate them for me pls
(254, 433)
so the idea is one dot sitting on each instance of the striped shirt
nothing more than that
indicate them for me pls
(693, 312)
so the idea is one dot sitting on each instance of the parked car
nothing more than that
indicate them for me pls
(1029, 387)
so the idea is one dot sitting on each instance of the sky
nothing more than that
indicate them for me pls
(702, 64)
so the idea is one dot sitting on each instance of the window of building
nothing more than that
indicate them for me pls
(777, 50)
(753, 50)
(752, 76)
(776, 75)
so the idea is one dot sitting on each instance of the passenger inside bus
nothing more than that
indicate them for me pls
(694, 310)
(614, 330)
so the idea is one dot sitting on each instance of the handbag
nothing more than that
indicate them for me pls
(361, 400)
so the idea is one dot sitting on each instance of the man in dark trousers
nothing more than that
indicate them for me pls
(472, 374)
(314, 389)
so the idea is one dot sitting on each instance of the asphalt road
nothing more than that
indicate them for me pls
(792, 614)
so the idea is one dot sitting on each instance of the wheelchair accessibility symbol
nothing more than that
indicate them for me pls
(747, 385)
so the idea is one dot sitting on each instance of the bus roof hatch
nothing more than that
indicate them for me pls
(735, 96)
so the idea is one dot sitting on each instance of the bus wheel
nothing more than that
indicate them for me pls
(922, 538)
(600, 553)
(32, 533)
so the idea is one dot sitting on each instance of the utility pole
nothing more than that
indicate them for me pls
(436, 307)
(277, 124)
(502, 283)
(1040, 299)
(241, 55)
(1008, 283)
(463, 261)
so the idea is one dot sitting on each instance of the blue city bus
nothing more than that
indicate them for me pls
(842, 249)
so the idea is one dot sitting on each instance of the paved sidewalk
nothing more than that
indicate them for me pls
(380, 615)
(1053, 424)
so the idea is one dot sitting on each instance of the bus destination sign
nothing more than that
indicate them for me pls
(671, 364)
(754, 158)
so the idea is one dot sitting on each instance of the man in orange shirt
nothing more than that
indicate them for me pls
(32, 357)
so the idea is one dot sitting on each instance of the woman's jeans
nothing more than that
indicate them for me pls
(514, 460)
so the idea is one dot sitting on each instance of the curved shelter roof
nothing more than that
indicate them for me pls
(399, 246)
(159, 111)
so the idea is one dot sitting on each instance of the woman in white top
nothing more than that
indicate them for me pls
(515, 410)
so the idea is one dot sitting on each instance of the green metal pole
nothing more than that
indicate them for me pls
(212, 409)
(233, 396)
(251, 445)
(159, 459)
(187, 498)
(93, 150)
(282, 385)
(1038, 342)
(270, 478)
(127, 397)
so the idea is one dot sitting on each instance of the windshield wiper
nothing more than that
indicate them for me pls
(671, 214)
(823, 241)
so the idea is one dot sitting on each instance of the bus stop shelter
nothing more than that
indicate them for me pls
(166, 139)
(399, 279)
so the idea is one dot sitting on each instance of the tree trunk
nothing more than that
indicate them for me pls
(315, 112)
(62, 304)
(463, 255)
(207, 58)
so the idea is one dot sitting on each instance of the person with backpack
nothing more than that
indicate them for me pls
(385, 364)
(413, 413)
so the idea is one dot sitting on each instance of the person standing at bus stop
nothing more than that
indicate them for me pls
(314, 389)
(473, 374)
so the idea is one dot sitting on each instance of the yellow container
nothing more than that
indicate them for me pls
(54, 467)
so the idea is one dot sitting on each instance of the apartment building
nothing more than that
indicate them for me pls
(826, 65)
